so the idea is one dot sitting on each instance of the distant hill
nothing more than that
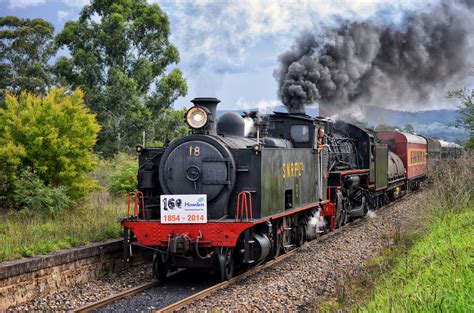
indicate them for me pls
(432, 123)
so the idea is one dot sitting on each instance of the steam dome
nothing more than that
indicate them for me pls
(231, 124)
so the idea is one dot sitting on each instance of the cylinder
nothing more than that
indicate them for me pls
(262, 248)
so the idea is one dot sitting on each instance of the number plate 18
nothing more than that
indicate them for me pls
(183, 209)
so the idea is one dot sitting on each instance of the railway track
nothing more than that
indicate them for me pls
(203, 293)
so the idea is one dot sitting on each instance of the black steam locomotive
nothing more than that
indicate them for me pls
(221, 197)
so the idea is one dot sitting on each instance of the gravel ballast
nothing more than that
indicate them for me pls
(314, 272)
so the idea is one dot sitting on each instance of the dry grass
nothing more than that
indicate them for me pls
(25, 233)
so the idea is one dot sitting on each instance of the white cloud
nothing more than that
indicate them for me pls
(62, 15)
(263, 106)
(21, 4)
(76, 3)
(220, 33)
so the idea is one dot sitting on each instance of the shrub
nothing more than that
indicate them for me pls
(123, 178)
(29, 192)
(52, 135)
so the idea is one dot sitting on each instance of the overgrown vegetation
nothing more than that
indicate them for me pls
(49, 136)
(50, 220)
(26, 233)
(119, 174)
(30, 193)
(429, 269)
(466, 113)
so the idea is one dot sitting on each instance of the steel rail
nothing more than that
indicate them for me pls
(121, 295)
(204, 293)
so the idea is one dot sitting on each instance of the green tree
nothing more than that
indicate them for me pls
(120, 60)
(26, 46)
(52, 136)
(169, 125)
(466, 112)
(385, 127)
(409, 128)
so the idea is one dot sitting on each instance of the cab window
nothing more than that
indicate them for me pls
(300, 133)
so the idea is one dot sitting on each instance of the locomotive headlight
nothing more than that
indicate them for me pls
(196, 117)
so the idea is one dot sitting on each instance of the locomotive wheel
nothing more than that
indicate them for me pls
(277, 240)
(286, 235)
(342, 220)
(300, 235)
(341, 213)
(226, 263)
(160, 267)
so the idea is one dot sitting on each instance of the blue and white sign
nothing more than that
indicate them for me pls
(183, 209)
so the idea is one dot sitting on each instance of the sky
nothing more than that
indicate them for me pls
(230, 49)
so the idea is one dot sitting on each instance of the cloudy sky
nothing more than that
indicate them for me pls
(229, 49)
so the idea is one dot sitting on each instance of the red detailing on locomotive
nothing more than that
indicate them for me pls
(243, 206)
(135, 197)
(211, 234)
(411, 149)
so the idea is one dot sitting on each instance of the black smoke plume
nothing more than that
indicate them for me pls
(375, 62)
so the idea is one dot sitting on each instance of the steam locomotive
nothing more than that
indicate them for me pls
(222, 198)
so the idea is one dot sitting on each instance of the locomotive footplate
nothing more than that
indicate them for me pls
(211, 234)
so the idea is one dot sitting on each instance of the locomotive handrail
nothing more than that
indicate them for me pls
(243, 205)
(136, 207)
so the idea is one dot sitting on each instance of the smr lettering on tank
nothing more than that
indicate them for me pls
(292, 169)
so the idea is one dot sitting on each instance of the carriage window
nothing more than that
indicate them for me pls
(300, 133)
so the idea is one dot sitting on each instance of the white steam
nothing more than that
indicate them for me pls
(371, 214)
(249, 126)
(316, 225)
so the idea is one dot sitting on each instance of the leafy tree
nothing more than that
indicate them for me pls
(51, 136)
(466, 112)
(30, 192)
(120, 51)
(409, 128)
(385, 127)
(123, 178)
(26, 46)
(172, 126)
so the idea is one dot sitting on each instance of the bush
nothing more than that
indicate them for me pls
(123, 178)
(29, 192)
(53, 136)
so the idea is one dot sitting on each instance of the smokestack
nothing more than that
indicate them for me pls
(377, 62)
(211, 105)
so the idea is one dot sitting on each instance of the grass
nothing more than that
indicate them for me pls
(24, 233)
(430, 268)
(436, 273)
